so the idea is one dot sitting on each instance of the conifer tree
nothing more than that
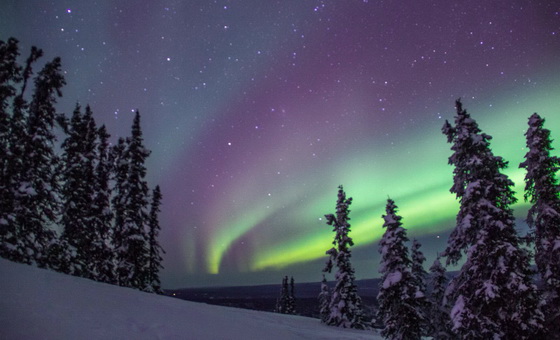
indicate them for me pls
(493, 294)
(345, 305)
(419, 274)
(399, 306)
(78, 190)
(291, 304)
(131, 202)
(34, 180)
(324, 301)
(103, 246)
(10, 78)
(542, 191)
(417, 266)
(154, 248)
(119, 175)
(282, 302)
(439, 327)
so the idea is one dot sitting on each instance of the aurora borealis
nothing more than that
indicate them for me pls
(255, 111)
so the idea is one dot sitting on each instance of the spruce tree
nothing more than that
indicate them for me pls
(542, 191)
(10, 79)
(291, 304)
(282, 301)
(103, 246)
(345, 305)
(399, 306)
(419, 275)
(119, 175)
(493, 294)
(324, 301)
(155, 250)
(10, 76)
(439, 323)
(78, 191)
(131, 202)
(34, 181)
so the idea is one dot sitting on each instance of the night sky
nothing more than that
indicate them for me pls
(255, 111)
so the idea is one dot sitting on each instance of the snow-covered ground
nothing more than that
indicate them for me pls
(41, 304)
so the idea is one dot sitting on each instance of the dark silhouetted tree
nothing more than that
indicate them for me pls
(493, 294)
(32, 162)
(131, 203)
(78, 190)
(103, 246)
(10, 79)
(154, 248)
(282, 302)
(292, 298)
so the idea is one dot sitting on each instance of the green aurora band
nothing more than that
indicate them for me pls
(416, 175)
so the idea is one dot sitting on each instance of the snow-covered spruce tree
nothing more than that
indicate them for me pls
(119, 176)
(10, 78)
(36, 200)
(131, 203)
(542, 190)
(155, 250)
(419, 275)
(282, 301)
(291, 304)
(103, 246)
(439, 327)
(14, 136)
(494, 297)
(345, 305)
(78, 191)
(324, 300)
(399, 306)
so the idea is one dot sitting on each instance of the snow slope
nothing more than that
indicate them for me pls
(41, 304)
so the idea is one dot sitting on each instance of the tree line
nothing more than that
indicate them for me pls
(494, 295)
(95, 193)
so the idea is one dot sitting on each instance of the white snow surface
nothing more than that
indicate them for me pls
(41, 304)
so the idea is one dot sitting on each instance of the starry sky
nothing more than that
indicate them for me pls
(256, 110)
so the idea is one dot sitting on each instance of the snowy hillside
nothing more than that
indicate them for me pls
(41, 304)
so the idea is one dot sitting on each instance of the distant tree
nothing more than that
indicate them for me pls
(324, 301)
(131, 202)
(399, 306)
(439, 322)
(345, 305)
(542, 190)
(285, 304)
(155, 250)
(282, 302)
(291, 298)
(493, 294)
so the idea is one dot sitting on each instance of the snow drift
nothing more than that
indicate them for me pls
(42, 304)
